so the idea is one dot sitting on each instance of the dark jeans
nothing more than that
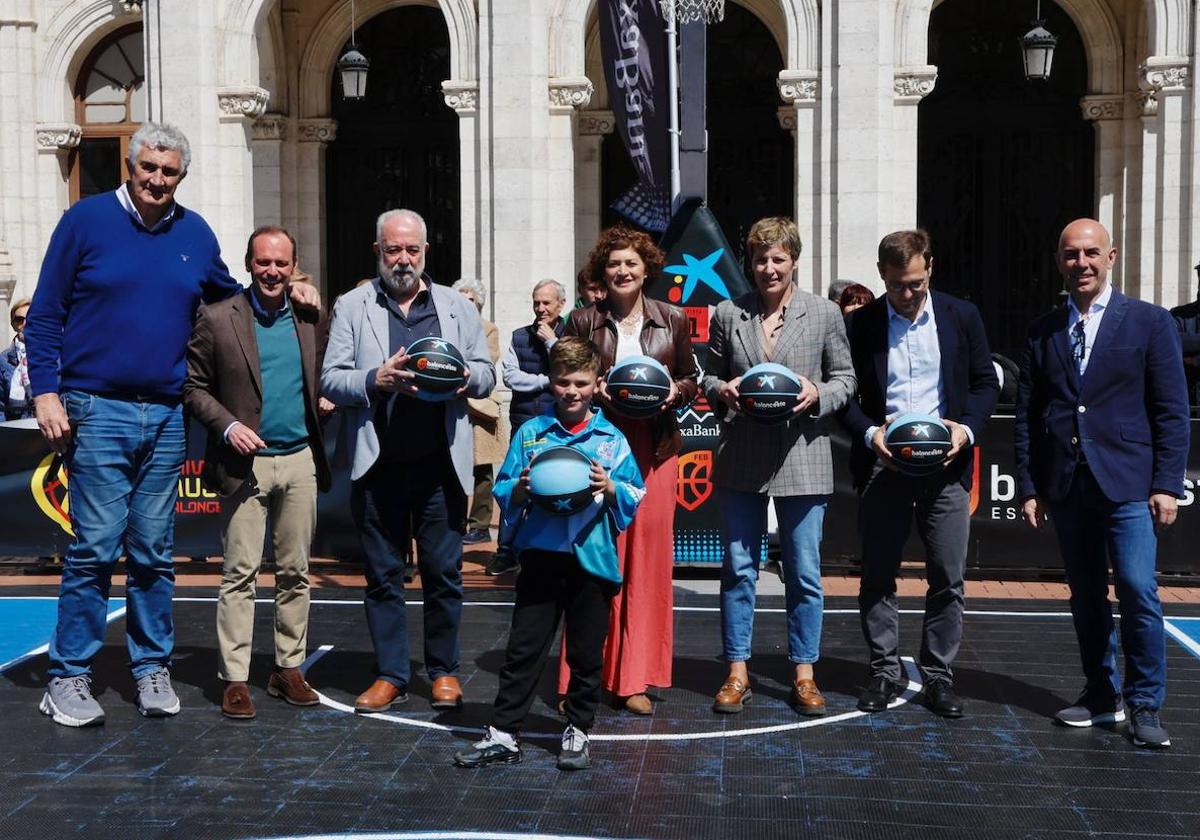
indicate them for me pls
(1092, 531)
(387, 505)
(887, 508)
(551, 585)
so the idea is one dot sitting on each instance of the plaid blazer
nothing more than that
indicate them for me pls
(792, 458)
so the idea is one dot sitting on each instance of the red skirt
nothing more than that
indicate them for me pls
(640, 642)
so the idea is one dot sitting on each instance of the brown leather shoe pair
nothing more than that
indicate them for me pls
(380, 697)
(290, 684)
(236, 703)
(806, 698)
(732, 696)
(446, 693)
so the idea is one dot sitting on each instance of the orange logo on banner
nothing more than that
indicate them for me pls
(49, 489)
(975, 483)
(695, 479)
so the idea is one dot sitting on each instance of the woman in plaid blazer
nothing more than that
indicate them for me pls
(791, 462)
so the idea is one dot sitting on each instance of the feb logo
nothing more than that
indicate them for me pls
(48, 485)
(695, 479)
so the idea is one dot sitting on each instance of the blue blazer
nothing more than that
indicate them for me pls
(1127, 415)
(968, 378)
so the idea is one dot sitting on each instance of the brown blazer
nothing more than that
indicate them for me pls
(224, 384)
(666, 336)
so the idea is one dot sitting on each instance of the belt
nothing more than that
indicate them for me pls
(129, 396)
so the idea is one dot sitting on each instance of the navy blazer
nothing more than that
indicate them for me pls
(1128, 415)
(969, 381)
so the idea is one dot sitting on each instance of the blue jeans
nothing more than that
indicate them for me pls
(1091, 532)
(123, 479)
(744, 526)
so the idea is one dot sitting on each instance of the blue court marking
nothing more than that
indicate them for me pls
(1186, 631)
(28, 624)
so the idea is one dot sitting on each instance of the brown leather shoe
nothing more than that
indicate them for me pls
(446, 693)
(290, 684)
(733, 695)
(236, 703)
(639, 704)
(806, 698)
(380, 697)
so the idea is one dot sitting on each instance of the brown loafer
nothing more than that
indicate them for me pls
(733, 695)
(446, 693)
(807, 699)
(290, 684)
(639, 704)
(380, 697)
(236, 703)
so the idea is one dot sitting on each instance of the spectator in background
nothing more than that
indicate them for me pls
(526, 370)
(14, 370)
(487, 425)
(836, 287)
(588, 289)
(1187, 320)
(854, 296)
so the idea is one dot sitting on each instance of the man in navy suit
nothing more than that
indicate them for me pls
(915, 351)
(1101, 444)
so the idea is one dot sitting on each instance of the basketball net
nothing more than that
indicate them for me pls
(691, 11)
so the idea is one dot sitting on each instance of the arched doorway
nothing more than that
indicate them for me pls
(1003, 163)
(398, 147)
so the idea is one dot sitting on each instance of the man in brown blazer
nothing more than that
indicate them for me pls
(254, 367)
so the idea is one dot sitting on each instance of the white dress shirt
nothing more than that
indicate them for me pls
(1091, 322)
(126, 200)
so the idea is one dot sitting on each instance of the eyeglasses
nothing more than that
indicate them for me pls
(1078, 341)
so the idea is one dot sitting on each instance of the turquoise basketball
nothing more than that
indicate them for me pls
(769, 392)
(560, 480)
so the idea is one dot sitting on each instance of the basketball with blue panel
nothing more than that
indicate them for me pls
(918, 443)
(769, 393)
(560, 480)
(439, 367)
(638, 386)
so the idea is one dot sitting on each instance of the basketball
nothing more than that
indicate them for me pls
(919, 443)
(560, 480)
(638, 386)
(768, 393)
(439, 368)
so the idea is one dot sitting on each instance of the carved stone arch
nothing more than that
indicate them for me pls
(1095, 21)
(1169, 27)
(70, 35)
(333, 29)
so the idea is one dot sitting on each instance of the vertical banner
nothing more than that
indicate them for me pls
(700, 272)
(633, 50)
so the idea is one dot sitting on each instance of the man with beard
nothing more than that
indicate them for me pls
(411, 460)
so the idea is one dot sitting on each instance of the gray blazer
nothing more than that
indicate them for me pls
(792, 458)
(358, 343)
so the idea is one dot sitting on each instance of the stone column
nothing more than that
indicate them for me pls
(800, 89)
(463, 97)
(21, 234)
(314, 135)
(1107, 114)
(567, 96)
(268, 134)
(592, 127)
(909, 86)
(8, 282)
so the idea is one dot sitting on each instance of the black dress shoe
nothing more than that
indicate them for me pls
(941, 699)
(880, 691)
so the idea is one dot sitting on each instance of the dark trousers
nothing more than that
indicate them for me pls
(481, 500)
(388, 505)
(887, 507)
(1092, 532)
(551, 585)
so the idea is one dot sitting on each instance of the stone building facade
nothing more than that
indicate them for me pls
(251, 83)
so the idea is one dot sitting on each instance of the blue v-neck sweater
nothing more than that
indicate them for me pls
(115, 302)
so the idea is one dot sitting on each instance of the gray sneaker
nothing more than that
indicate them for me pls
(574, 752)
(1147, 730)
(155, 697)
(69, 701)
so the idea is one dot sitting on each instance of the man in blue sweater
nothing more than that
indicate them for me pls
(124, 274)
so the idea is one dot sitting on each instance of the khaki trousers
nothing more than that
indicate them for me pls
(284, 486)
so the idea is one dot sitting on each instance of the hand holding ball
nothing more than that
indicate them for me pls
(769, 393)
(560, 480)
(438, 367)
(638, 386)
(919, 444)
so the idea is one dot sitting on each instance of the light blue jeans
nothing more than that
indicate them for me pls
(123, 481)
(744, 525)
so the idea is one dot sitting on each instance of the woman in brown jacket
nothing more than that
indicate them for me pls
(639, 647)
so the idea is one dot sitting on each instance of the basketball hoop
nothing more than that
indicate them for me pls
(691, 11)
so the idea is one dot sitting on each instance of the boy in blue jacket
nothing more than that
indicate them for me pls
(568, 563)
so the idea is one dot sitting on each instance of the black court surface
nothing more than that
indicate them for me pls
(1003, 771)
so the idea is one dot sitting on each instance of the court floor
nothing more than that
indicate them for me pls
(1003, 771)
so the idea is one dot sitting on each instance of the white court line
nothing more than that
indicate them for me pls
(38, 651)
(436, 835)
(911, 690)
(1183, 638)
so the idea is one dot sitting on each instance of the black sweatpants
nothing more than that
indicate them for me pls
(551, 585)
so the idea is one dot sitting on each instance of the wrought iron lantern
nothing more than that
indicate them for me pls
(353, 66)
(1037, 46)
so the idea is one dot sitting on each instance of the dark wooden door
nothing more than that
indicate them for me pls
(1003, 163)
(398, 147)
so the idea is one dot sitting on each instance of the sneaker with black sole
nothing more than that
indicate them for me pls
(496, 748)
(69, 701)
(1090, 710)
(475, 536)
(502, 563)
(574, 753)
(155, 697)
(1147, 730)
